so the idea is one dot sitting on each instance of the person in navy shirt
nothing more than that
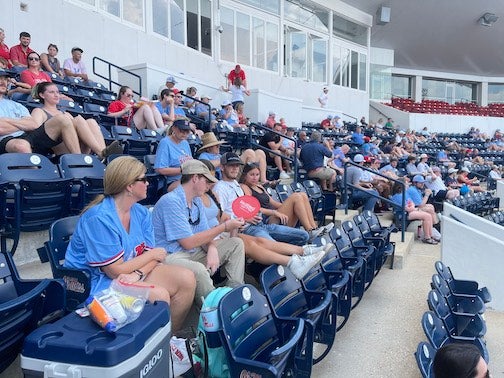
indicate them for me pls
(312, 156)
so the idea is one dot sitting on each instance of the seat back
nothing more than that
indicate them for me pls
(434, 329)
(284, 191)
(273, 194)
(23, 306)
(438, 305)
(250, 335)
(36, 193)
(424, 356)
(78, 283)
(125, 133)
(298, 187)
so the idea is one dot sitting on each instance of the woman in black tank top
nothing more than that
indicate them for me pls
(295, 208)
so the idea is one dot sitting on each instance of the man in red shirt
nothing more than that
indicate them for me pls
(19, 53)
(237, 72)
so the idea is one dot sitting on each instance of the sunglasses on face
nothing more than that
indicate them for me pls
(142, 179)
(33, 58)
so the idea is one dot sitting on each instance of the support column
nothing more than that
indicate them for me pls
(416, 90)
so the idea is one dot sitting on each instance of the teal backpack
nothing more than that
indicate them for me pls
(215, 363)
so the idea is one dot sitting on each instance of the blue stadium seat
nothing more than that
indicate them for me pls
(24, 305)
(284, 191)
(36, 194)
(462, 287)
(71, 107)
(87, 172)
(255, 341)
(288, 300)
(438, 336)
(424, 357)
(77, 282)
(469, 304)
(457, 323)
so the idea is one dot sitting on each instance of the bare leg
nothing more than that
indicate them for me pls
(18, 145)
(297, 207)
(426, 221)
(144, 118)
(61, 125)
(90, 135)
(263, 255)
(179, 285)
(157, 117)
(279, 247)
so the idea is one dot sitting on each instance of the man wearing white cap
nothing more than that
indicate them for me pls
(362, 191)
(169, 84)
(438, 187)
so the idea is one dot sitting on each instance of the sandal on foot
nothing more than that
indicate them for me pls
(430, 241)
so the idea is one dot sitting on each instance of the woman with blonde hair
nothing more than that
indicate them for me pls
(114, 239)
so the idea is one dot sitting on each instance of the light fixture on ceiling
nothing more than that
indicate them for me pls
(488, 19)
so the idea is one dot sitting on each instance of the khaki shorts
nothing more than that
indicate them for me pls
(323, 173)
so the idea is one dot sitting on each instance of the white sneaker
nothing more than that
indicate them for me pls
(316, 232)
(328, 227)
(284, 175)
(310, 249)
(329, 247)
(300, 265)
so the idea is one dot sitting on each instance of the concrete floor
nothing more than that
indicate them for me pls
(383, 331)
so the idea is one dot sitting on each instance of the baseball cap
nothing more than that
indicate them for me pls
(271, 113)
(367, 139)
(359, 158)
(3, 72)
(424, 156)
(418, 178)
(206, 96)
(181, 124)
(77, 49)
(329, 116)
(225, 103)
(196, 167)
(171, 79)
(451, 170)
(230, 158)
(465, 169)
(437, 169)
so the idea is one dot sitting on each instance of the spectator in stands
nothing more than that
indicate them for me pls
(210, 151)
(178, 105)
(228, 189)
(19, 53)
(4, 49)
(74, 66)
(237, 72)
(295, 208)
(381, 184)
(202, 111)
(169, 84)
(49, 61)
(143, 114)
(362, 191)
(173, 151)
(442, 158)
(391, 169)
(302, 138)
(451, 180)
(379, 125)
(114, 239)
(338, 122)
(166, 106)
(389, 125)
(473, 183)
(323, 99)
(411, 167)
(19, 132)
(264, 251)
(363, 121)
(495, 172)
(228, 114)
(366, 147)
(88, 130)
(423, 167)
(339, 158)
(312, 156)
(188, 103)
(326, 123)
(238, 91)
(357, 137)
(273, 141)
(181, 227)
(31, 76)
(460, 360)
(270, 121)
(421, 196)
(412, 212)
(242, 118)
(17, 89)
(435, 183)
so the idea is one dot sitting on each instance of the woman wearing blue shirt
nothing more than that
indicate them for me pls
(114, 239)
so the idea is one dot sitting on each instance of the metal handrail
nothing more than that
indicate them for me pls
(109, 79)
(201, 102)
(294, 159)
(344, 194)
